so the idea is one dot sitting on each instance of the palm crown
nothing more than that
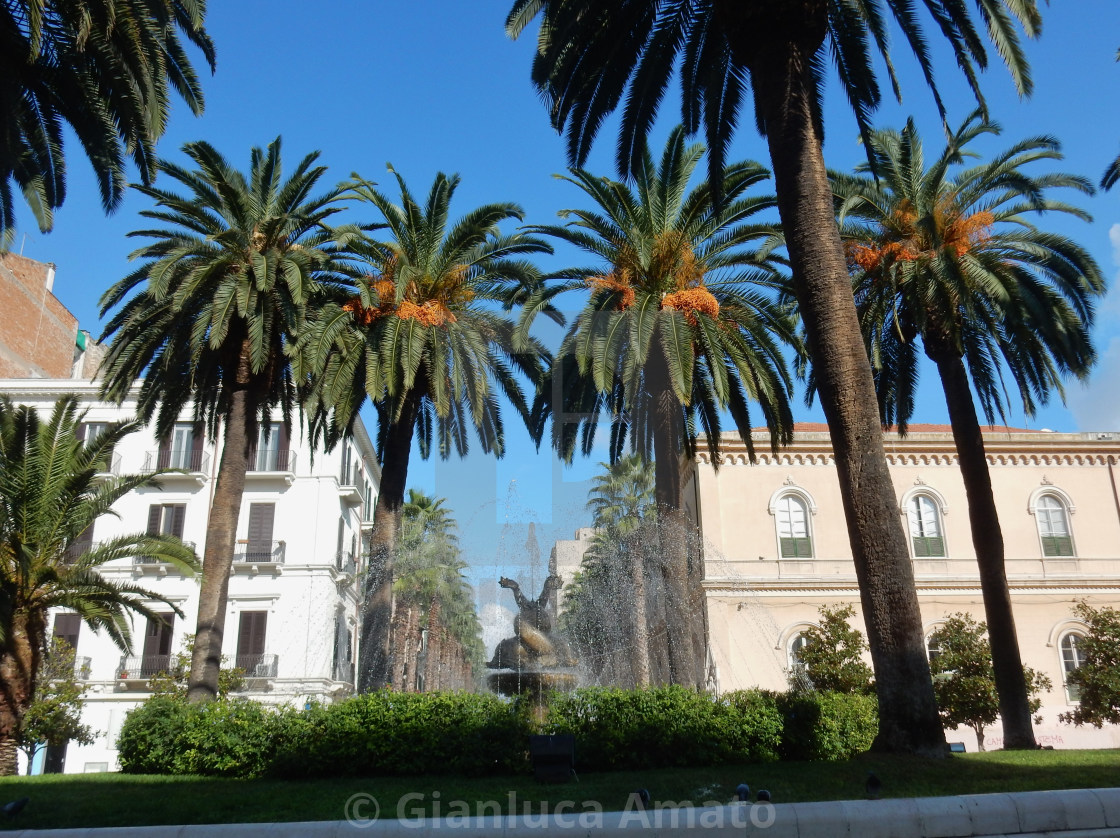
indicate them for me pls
(425, 325)
(104, 69)
(952, 254)
(679, 301)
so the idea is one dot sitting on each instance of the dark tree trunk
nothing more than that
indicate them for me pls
(221, 534)
(640, 650)
(374, 654)
(686, 643)
(987, 539)
(777, 41)
(19, 663)
(432, 659)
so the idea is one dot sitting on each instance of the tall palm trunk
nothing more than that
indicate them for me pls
(19, 662)
(432, 660)
(374, 655)
(686, 640)
(777, 40)
(987, 539)
(221, 534)
(640, 651)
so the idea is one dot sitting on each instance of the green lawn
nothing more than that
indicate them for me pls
(123, 800)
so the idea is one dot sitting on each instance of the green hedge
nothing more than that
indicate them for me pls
(388, 733)
(826, 726)
(665, 726)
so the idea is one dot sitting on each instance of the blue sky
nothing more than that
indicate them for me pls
(435, 85)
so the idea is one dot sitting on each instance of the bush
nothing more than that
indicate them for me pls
(386, 733)
(403, 733)
(826, 726)
(665, 726)
(166, 735)
(379, 733)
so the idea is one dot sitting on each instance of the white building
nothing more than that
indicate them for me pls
(292, 617)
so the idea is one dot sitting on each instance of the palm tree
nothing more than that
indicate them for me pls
(51, 491)
(676, 329)
(623, 502)
(430, 580)
(424, 340)
(591, 55)
(949, 255)
(1112, 173)
(103, 68)
(220, 294)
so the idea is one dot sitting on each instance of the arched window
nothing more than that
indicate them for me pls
(926, 535)
(933, 648)
(795, 646)
(1053, 526)
(793, 527)
(1072, 658)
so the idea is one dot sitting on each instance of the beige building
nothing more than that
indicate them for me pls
(776, 549)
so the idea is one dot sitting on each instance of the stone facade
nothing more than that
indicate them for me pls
(776, 548)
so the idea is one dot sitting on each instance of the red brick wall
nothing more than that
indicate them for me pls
(36, 331)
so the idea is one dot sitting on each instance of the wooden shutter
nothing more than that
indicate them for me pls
(198, 438)
(262, 517)
(797, 548)
(1057, 545)
(157, 638)
(81, 432)
(178, 519)
(155, 513)
(67, 627)
(163, 459)
(250, 633)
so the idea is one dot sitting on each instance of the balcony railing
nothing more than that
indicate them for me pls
(133, 667)
(82, 668)
(187, 459)
(112, 466)
(260, 552)
(149, 561)
(258, 666)
(345, 562)
(272, 459)
(344, 671)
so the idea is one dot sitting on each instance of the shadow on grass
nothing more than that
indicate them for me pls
(93, 800)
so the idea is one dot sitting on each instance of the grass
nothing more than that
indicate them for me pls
(103, 800)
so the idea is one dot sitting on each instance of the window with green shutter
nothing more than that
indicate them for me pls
(792, 517)
(1053, 526)
(925, 527)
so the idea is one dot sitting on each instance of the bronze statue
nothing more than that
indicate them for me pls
(534, 646)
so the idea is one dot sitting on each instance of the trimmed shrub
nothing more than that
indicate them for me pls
(665, 726)
(403, 733)
(826, 726)
(166, 735)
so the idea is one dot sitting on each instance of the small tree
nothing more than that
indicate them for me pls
(1098, 677)
(55, 715)
(964, 680)
(832, 657)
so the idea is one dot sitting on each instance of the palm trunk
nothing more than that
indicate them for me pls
(987, 539)
(431, 662)
(685, 640)
(640, 650)
(221, 535)
(19, 663)
(777, 40)
(374, 654)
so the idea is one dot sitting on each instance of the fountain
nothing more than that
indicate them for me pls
(535, 660)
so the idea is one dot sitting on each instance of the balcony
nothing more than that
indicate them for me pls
(345, 562)
(193, 464)
(252, 557)
(257, 667)
(146, 564)
(344, 671)
(134, 669)
(271, 463)
(110, 468)
(83, 666)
